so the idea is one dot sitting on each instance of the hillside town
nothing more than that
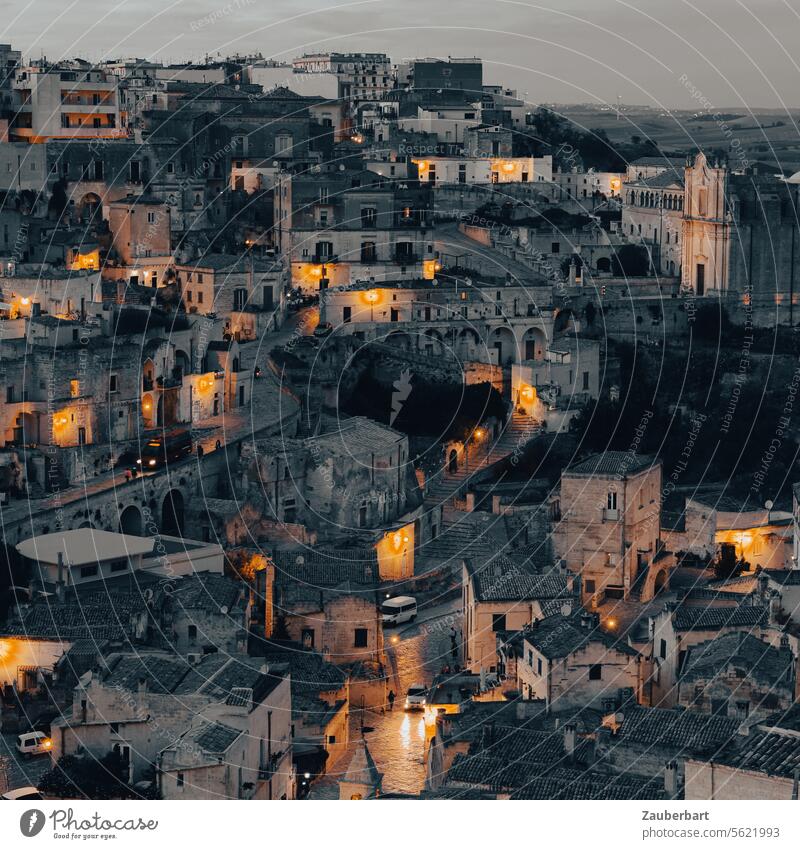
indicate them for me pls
(370, 431)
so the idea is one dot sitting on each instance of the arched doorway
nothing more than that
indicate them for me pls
(89, 206)
(467, 345)
(504, 343)
(534, 344)
(604, 265)
(399, 339)
(432, 343)
(172, 519)
(130, 521)
(452, 461)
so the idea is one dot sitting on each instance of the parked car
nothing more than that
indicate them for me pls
(324, 329)
(395, 611)
(34, 743)
(23, 794)
(416, 697)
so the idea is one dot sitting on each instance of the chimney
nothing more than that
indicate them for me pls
(671, 779)
(141, 694)
(570, 738)
(60, 578)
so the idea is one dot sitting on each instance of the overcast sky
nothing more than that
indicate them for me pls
(734, 53)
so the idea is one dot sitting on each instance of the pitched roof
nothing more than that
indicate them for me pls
(677, 729)
(503, 579)
(560, 636)
(96, 616)
(714, 618)
(773, 752)
(741, 651)
(355, 436)
(327, 567)
(207, 591)
(591, 785)
(618, 463)
(660, 181)
(216, 738)
(362, 769)
(784, 577)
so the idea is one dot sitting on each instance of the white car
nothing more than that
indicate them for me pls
(416, 697)
(34, 743)
(22, 794)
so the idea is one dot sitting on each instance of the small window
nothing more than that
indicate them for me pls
(611, 501)
(555, 248)
(361, 638)
(498, 622)
(595, 672)
(180, 780)
(662, 652)
(113, 385)
(590, 586)
(538, 666)
(331, 739)
(89, 571)
(119, 565)
(192, 632)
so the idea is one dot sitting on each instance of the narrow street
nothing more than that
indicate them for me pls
(397, 739)
(19, 771)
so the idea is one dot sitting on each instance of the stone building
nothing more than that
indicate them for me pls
(739, 232)
(502, 595)
(678, 627)
(652, 215)
(327, 600)
(339, 227)
(736, 674)
(609, 531)
(570, 663)
(355, 474)
(239, 748)
(761, 765)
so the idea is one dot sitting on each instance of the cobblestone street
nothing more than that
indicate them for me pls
(397, 739)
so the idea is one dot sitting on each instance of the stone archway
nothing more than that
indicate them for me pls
(534, 344)
(90, 205)
(604, 265)
(467, 345)
(657, 578)
(398, 339)
(130, 521)
(172, 513)
(452, 461)
(565, 322)
(502, 340)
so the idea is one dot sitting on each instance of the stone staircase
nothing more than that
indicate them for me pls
(459, 533)
(518, 431)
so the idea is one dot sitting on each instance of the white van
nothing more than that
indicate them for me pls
(34, 743)
(398, 610)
